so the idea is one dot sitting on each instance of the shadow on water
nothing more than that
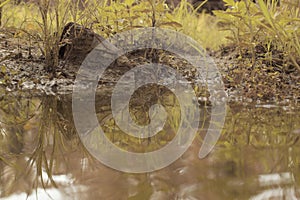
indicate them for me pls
(42, 156)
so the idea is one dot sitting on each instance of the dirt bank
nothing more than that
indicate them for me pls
(22, 68)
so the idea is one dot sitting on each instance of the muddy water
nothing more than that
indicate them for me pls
(42, 157)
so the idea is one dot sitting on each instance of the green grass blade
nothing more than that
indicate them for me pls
(266, 12)
(4, 3)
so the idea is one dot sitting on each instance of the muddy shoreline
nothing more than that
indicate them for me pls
(23, 69)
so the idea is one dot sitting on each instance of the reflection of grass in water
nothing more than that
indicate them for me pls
(260, 126)
(56, 136)
(15, 112)
(141, 101)
(139, 107)
(44, 139)
(47, 129)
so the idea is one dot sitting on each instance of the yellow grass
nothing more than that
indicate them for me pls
(201, 27)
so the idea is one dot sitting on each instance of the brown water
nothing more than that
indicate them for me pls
(257, 157)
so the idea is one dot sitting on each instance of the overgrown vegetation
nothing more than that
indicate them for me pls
(43, 21)
(271, 32)
(266, 35)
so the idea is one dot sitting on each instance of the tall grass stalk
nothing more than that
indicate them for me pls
(53, 17)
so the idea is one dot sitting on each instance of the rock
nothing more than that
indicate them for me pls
(76, 42)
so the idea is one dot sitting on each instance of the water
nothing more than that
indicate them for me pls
(42, 157)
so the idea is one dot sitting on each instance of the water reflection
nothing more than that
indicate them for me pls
(42, 156)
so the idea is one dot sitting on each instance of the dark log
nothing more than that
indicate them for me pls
(76, 42)
(209, 6)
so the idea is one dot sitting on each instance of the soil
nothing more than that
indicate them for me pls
(275, 80)
(22, 68)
